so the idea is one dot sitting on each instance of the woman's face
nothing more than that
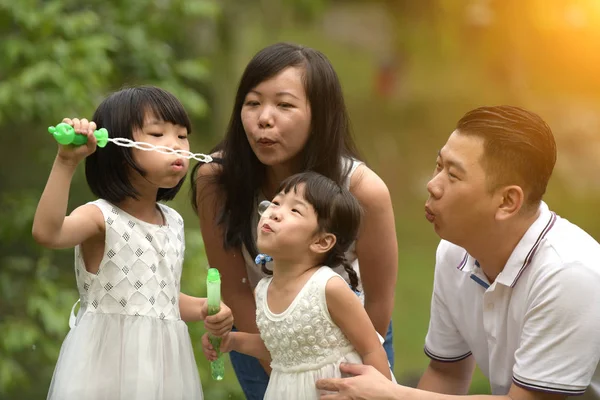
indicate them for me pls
(276, 117)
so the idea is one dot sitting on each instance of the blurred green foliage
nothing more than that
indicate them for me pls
(60, 58)
(439, 57)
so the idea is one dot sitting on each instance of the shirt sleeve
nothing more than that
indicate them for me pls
(443, 341)
(560, 342)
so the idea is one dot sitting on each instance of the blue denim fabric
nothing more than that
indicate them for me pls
(388, 346)
(250, 374)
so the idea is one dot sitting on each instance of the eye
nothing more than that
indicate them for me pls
(156, 134)
(295, 210)
(286, 105)
(275, 202)
(251, 103)
(182, 136)
(451, 175)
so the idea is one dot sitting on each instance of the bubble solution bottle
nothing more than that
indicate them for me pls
(213, 289)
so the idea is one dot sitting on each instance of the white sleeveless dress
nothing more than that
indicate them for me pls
(304, 342)
(128, 341)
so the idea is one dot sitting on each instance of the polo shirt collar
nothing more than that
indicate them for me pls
(522, 255)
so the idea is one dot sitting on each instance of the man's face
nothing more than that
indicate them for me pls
(460, 205)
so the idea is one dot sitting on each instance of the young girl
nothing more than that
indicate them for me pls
(129, 340)
(308, 317)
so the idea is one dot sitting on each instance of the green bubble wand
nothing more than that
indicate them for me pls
(65, 134)
(213, 288)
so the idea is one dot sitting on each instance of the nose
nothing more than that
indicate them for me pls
(265, 119)
(172, 141)
(434, 187)
(275, 215)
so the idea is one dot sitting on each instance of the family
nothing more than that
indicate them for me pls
(303, 234)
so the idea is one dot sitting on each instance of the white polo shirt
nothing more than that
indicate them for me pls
(537, 325)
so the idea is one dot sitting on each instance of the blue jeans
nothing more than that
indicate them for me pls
(254, 380)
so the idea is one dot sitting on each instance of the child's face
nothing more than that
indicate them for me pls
(288, 226)
(162, 170)
(276, 117)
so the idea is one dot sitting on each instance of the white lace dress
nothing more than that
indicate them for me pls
(304, 342)
(128, 341)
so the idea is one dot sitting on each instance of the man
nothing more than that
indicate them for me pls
(516, 288)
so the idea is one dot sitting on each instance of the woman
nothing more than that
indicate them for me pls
(289, 116)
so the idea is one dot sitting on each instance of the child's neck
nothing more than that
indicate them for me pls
(144, 208)
(285, 271)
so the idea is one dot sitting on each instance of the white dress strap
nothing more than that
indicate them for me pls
(72, 317)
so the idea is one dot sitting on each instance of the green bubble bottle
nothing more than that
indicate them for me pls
(213, 289)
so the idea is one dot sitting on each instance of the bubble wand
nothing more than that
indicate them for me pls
(65, 134)
(213, 288)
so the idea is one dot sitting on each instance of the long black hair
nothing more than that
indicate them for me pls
(242, 174)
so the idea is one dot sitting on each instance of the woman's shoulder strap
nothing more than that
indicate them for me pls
(349, 166)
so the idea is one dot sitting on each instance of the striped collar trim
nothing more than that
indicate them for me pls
(513, 271)
(523, 254)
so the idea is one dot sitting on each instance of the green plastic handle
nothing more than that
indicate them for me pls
(65, 134)
(213, 288)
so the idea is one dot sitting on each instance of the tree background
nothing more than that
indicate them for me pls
(409, 70)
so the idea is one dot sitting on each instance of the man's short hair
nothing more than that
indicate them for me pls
(519, 148)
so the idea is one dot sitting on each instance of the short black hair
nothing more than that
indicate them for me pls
(107, 169)
(519, 148)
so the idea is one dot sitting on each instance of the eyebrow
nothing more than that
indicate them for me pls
(451, 163)
(279, 94)
(301, 202)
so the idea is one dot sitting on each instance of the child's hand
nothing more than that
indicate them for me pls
(220, 323)
(227, 343)
(74, 154)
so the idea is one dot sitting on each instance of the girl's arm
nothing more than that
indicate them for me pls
(191, 307)
(250, 344)
(51, 228)
(247, 343)
(376, 247)
(348, 313)
(235, 289)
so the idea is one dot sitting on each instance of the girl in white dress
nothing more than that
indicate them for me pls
(309, 319)
(129, 340)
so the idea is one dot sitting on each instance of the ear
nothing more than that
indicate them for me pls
(323, 243)
(511, 200)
